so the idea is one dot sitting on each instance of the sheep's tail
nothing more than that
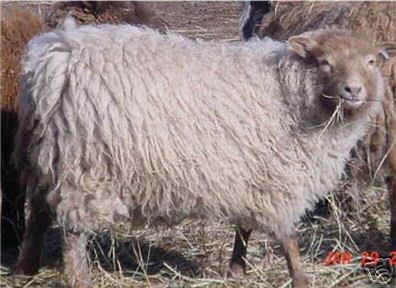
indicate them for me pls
(43, 83)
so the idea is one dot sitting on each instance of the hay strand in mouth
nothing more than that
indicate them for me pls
(337, 115)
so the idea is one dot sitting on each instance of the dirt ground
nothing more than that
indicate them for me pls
(196, 253)
(197, 19)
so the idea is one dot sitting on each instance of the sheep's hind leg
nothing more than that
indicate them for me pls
(290, 248)
(75, 259)
(237, 267)
(38, 223)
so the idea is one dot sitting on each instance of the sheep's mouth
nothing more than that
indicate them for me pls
(346, 99)
(352, 102)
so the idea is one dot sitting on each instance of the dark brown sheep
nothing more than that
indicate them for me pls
(99, 12)
(16, 30)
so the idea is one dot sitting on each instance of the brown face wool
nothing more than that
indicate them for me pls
(168, 128)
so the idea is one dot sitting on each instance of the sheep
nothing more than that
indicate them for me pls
(378, 21)
(162, 131)
(17, 29)
(115, 12)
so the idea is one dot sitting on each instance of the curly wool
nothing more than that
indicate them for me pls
(125, 123)
(17, 29)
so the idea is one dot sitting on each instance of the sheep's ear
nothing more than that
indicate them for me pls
(387, 49)
(302, 45)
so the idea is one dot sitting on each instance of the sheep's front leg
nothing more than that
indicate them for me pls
(38, 223)
(391, 183)
(75, 257)
(290, 249)
(238, 263)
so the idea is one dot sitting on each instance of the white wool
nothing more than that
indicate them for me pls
(69, 22)
(119, 122)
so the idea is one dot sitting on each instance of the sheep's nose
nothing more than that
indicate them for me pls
(353, 90)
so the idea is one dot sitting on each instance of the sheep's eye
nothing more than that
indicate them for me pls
(371, 62)
(325, 65)
(324, 62)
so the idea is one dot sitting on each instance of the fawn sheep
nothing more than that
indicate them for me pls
(125, 123)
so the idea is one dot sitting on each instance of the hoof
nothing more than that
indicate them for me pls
(79, 283)
(236, 271)
(21, 268)
(301, 282)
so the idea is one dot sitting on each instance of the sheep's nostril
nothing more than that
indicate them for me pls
(355, 90)
(347, 89)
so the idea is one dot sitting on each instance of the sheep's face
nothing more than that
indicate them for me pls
(346, 64)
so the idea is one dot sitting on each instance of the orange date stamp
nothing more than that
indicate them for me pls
(380, 271)
(344, 257)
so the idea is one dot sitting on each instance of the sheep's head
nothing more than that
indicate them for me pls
(347, 65)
